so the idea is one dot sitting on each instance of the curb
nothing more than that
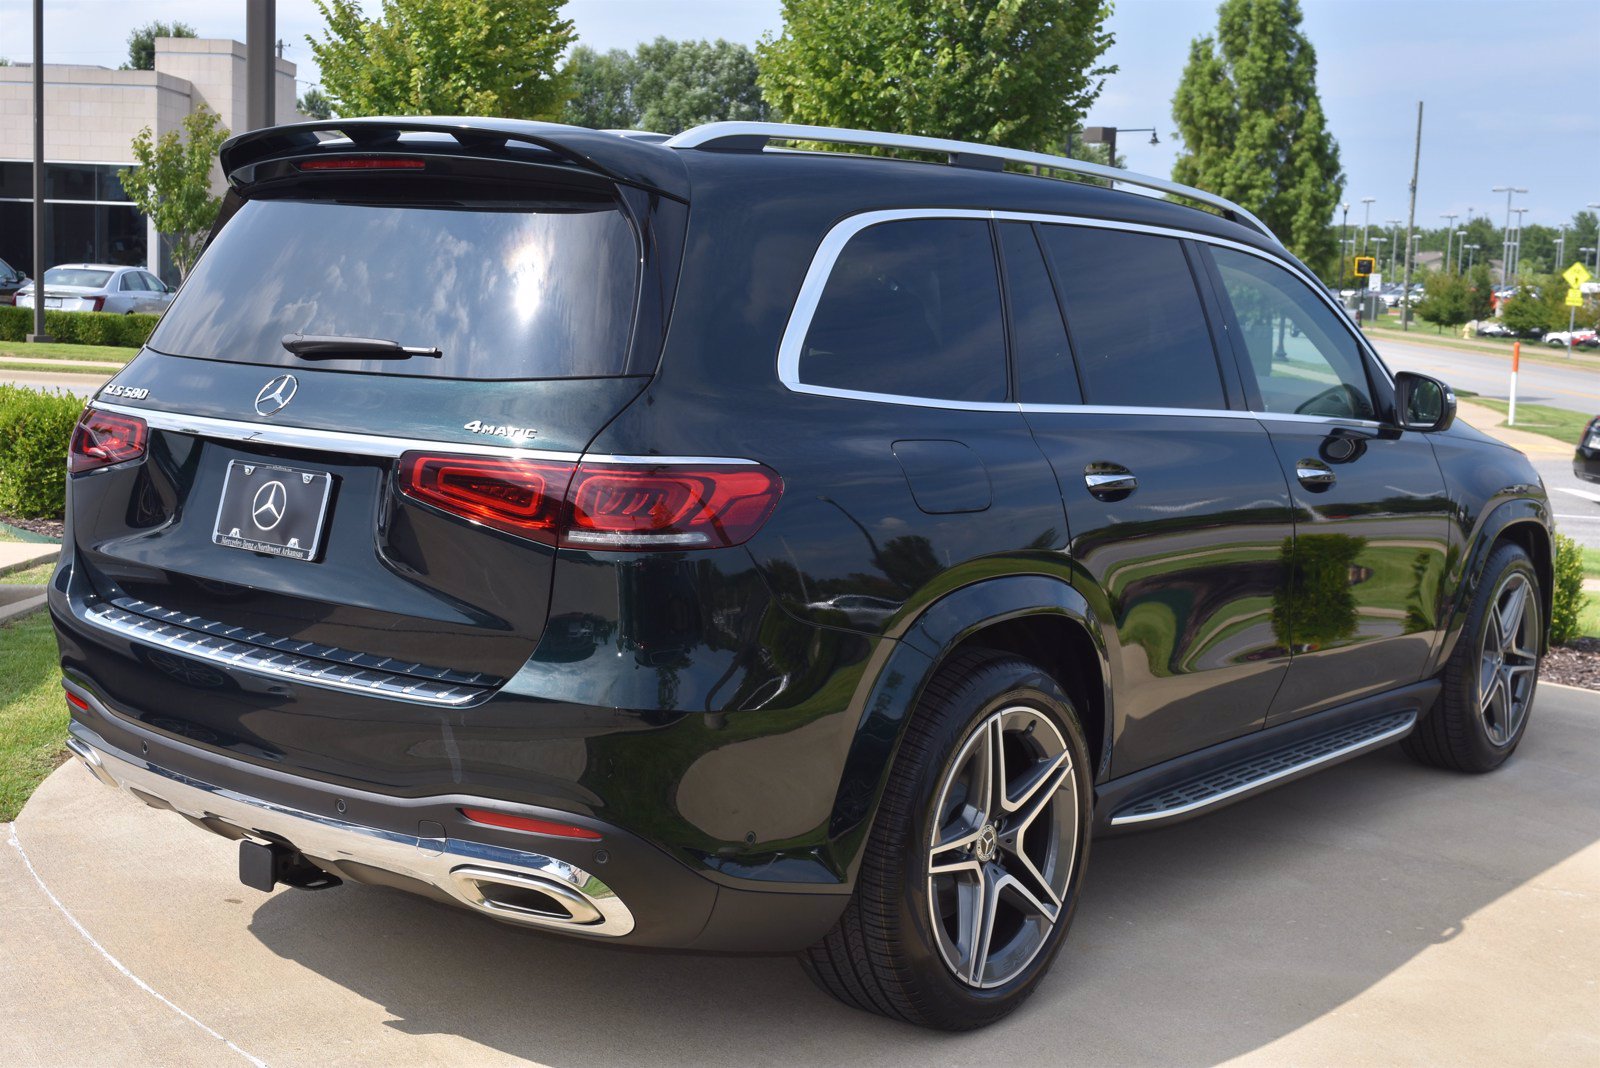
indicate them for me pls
(19, 602)
(23, 534)
(31, 561)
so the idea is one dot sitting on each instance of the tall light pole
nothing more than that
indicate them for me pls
(1394, 243)
(1381, 241)
(1449, 237)
(1462, 234)
(1344, 243)
(1561, 246)
(1366, 220)
(1505, 256)
(1583, 253)
(1516, 242)
(1472, 251)
(38, 174)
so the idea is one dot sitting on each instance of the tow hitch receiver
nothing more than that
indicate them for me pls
(264, 866)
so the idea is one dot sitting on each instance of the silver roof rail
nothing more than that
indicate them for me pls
(754, 136)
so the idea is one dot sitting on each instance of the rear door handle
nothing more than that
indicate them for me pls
(1314, 474)
(1109, 482)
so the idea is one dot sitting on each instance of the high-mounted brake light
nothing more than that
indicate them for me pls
(527, 823)
(361, 163)
(104, 438)
(628, 508)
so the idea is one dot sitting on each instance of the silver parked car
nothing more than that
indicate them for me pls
(100, 287)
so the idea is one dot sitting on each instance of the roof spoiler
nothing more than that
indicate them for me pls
(621, 159)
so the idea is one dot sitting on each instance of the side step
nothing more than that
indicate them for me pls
(1250, 775)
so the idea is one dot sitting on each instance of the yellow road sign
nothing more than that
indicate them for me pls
(1365, 265)
(1575, 297)
(1576, 275)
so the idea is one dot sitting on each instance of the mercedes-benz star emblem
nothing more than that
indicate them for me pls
(276, 395)
(267, 509)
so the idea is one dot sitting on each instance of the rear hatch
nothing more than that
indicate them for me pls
(518, 299)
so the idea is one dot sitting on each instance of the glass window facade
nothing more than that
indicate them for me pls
(88, 218)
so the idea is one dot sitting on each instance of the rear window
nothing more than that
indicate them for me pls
(75, 276)
(541, 290)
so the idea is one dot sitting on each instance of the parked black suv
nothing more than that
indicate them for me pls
(694, 544)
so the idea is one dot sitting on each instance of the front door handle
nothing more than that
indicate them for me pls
(1314, 474)
(1109, 482)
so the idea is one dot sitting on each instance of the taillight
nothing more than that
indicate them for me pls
(361, 163)
(98, 303)
(598, 505)
(103, 438)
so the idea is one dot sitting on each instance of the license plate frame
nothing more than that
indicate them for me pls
(292, 517)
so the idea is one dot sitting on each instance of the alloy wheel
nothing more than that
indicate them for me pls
(1004, 840)
(1508, 662)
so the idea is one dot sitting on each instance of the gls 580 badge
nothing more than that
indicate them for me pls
(515, 433)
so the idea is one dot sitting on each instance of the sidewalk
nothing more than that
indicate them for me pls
(1488, 420)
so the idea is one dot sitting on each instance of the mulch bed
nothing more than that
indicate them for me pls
(50, 528)
(1575, 664)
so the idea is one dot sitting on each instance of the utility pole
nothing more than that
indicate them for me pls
(1366, 220)
(1505, 261)
(261, 72)
(1411, 220)
(1561, 246)
(1344, 243)
(1449, 238)
(38, 174)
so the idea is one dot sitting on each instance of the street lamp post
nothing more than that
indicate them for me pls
(1505, 260)
(1516, 242)
(1107, 135)
(1472, 251)
(1394, 243)
(1561, 246)
(1381, 242)
(1449, 237)
(1366, 220)
(1462, 234)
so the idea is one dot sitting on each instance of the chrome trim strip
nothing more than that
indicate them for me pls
(276, 664)
(1256, 784)
(835, 240)
(352, 442)
(451, 864)
(709, 134)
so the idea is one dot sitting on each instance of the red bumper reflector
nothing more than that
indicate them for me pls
(524, 823)
(77, 702)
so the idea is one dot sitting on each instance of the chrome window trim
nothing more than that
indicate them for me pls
(709, 134)
(352, 442)
(837, 237)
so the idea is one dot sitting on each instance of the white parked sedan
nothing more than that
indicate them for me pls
(100, 287)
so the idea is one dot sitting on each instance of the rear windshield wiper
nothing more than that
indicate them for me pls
(335, 347)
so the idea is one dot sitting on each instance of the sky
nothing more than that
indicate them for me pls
(1511, 88)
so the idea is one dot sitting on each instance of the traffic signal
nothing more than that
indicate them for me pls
(1365, 265)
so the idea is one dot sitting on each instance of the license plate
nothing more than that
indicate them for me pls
(52, 302)
(270, 509)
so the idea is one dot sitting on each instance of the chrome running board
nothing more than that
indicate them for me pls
(1253, 774)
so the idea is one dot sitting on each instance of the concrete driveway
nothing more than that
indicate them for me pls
(1379, 913)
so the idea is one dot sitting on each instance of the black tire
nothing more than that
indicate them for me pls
(1457, 734)
(884, 954)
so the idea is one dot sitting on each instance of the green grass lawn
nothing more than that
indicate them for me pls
(33, 576)
(1559, 423)
(55, 350)
(1532, 348)
(33, 714)
(59, 369)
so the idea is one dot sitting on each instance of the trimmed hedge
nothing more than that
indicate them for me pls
(79, 328)
(35, 431)
(1567, 600)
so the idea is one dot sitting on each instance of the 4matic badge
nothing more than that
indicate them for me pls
(496, 430)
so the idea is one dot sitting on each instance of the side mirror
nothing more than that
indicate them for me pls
(1423, 403)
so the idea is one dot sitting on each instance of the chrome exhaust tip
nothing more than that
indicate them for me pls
(91, 760)
(533, 899)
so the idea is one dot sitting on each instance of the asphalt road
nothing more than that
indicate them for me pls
(1576, 388)
(1377, 913)
(79, 385)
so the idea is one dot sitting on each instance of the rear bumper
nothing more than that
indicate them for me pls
(618, 888)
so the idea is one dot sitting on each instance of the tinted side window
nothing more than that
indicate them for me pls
(1039, 351)
(911, 308)
(1135, 318)
(1303, 357)
(129, 282)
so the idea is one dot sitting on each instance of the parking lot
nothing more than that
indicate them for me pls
(1379, 913)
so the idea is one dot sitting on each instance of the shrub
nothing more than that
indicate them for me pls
(79, 328)
(1567, 600)
(35, 430)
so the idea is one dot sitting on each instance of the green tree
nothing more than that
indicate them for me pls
(1017, 73)
(142, 43)
(314, 103)
(1446, 301)
(445, 57)
(667, 86)
(1524, 311)
(171, 182)
(602, 89)
(1480, 293)
(1252, 124)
